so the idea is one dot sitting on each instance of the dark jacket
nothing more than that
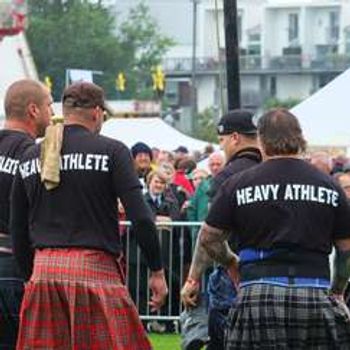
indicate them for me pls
(168, 206)
(242, 160)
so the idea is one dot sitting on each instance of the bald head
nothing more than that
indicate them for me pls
(216, 162)
(20, 95)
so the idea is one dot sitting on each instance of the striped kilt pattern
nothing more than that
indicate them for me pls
(75, 300)
(269, 317)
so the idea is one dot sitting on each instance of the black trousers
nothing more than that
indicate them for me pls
(11, 293)
(217, 325)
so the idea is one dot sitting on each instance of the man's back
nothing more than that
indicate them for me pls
(292, 202)
(94, 171)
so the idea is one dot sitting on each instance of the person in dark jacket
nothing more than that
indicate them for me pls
(63, 205)
(143, 157)
(28, 108)
(287, 216)
(238, 139)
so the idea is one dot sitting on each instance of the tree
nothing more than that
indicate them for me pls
(276, 103)
(205, 126)
(80, 34)
(141, 40)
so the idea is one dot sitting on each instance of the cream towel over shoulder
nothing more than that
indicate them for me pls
(50, 156)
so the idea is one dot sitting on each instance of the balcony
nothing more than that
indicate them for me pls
(261, 64)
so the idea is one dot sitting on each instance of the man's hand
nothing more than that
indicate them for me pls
(163, 218)
(339, 299)
(159, 289)
(190, 293)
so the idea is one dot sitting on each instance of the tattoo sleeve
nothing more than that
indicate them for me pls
(341, 266)
(200, 261)
(214, 241)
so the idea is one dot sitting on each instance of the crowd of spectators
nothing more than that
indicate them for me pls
(176, 189)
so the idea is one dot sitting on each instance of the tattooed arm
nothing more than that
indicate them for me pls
(211, 245)
(341, 267)
(214, 241)
(200, 262)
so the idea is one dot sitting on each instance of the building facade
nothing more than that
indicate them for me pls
(288, 48)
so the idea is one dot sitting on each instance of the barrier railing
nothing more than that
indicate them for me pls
(176, 240)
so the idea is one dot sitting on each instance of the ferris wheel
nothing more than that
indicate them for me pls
(13, 14)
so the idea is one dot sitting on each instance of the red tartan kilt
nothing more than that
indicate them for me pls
(75, 300)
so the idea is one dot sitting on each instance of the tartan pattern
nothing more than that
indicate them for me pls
(75, 300)
(268, 317)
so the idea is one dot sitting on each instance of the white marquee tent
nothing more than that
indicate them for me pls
(15, 63)
(325, 116)
(152, 131)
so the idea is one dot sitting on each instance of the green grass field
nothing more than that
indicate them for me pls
(165, 341)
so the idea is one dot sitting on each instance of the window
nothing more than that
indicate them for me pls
(334, 25)
(254, 41)
(293, 27)
(273, 86)
(254, 37)
(254, 49)
(347, 40)
(171, 92)
(239, 28)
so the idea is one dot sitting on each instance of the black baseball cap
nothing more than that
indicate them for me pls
(237, 120)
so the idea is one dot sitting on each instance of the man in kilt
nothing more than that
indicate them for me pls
(286, 216)
(28, 111)
(237, 136)
(66, 239)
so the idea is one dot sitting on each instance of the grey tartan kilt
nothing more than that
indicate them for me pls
(270, 317)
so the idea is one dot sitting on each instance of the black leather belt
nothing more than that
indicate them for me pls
(255, 271)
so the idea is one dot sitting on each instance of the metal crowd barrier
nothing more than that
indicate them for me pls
(177, 241)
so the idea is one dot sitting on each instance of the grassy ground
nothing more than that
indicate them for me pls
(165, 341)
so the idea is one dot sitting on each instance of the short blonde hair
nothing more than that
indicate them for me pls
(157, 173)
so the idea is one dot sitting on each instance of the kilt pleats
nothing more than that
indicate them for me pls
(268, 317)
(75, 300)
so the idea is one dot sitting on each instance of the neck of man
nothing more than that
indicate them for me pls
(283, 156)
(71, 120)
(21, 126)
(242, 147)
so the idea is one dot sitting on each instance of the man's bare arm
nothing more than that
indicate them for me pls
(200, 261)
(341, 266)
(214, 241)
(218, 250)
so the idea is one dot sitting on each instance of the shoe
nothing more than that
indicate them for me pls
(195, 344)
(156, 327)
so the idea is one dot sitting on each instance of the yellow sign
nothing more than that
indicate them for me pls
(158, 78)
(48, 82)
(120, 82)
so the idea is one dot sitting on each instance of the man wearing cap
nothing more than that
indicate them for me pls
(143, 157)
(181, 153)
(286, 215)
(28, 111)
(238, 139)
(76, 297)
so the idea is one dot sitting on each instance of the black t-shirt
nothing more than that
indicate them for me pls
(282, 202)
(82, 211)
(12, 146)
